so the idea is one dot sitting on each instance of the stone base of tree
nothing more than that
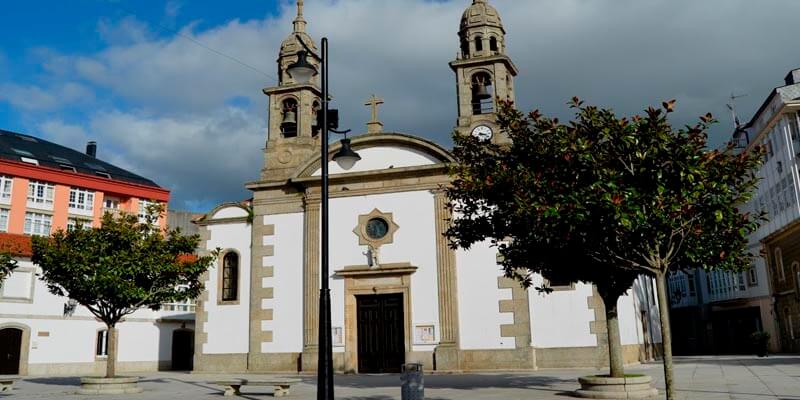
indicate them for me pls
(600, 387)
(120, 385)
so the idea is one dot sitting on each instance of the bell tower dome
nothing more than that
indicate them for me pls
(484, 73)
(292, 135)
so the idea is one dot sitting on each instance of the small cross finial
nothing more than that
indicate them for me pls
(299, 8)
(374, 125)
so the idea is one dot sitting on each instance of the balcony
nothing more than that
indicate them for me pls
(682, 290)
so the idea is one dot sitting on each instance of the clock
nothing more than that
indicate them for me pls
(482, 133)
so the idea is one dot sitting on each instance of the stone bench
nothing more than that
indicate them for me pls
(6, 384)
(281, 385)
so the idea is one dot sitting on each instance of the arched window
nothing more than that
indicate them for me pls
(464, 48)
(478, 44)
(101, 346)
(779, 264)
(289, 121)
(493, 44)
(482, 94)
(230, 277)
(789, 323)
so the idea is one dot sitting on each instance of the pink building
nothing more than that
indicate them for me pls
(45, 187)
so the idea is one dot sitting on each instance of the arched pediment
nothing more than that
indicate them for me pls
(380, 152)
(227, 211)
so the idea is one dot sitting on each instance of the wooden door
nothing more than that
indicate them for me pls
(182, 349)
(381, 333)
(10, 350)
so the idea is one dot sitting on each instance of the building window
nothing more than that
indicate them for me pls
(37, 224)
(789, 323)
(3, 220)
(493, 44)
(752, 276)
(111, 203)
(690, 284)
(478, 44)
(740, 281)
(230, 277)
(81, 199)
(6, 184)
(77, 223)
(143, 209)
(40, 194)
(289, 115)
(101, 348)
(779, 264)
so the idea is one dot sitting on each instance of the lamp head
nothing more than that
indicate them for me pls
(301, 70)
(346, 157)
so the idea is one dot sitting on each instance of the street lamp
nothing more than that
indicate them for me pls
(302, 71)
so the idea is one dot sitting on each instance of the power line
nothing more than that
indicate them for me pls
(203, 45)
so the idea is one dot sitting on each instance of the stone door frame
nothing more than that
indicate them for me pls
(361, 280)
(25, 344)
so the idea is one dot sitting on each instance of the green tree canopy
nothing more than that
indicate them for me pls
(120, 267)
(7, 264)
(601, 199)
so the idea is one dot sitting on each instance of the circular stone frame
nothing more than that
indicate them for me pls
(365, 238)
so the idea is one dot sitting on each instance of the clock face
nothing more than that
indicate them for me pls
(482, 133)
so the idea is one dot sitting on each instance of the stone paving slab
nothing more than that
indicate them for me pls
(707, 378)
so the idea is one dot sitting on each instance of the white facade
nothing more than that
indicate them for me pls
(55, 343)
(559, 322)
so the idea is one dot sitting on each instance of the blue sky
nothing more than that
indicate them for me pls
(131, 75)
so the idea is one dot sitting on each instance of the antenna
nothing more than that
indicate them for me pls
(732, 106)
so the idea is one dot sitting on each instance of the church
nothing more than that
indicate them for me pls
(399, 292)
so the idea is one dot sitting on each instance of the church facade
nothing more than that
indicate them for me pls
(399, 292)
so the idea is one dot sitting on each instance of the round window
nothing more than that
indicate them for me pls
(377, 228)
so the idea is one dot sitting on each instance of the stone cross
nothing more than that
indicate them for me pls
(374, 125)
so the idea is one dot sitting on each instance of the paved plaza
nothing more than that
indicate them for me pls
(776, 377)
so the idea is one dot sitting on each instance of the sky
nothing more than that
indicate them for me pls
(171, 90)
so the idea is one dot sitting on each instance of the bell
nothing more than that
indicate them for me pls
(289, 117)
(481, 93)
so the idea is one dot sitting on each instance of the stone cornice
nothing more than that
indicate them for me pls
(384, 269)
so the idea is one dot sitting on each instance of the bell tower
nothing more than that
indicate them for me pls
(292, 135)
(484, 73)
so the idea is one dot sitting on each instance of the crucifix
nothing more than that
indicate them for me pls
(374, 125)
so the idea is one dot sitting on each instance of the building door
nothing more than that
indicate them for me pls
(381, 336)
(182, 349)
(10, 350)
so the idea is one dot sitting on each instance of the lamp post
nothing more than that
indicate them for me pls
(302, 71)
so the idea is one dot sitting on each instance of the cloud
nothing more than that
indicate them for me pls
(193, 120)
(36, 98)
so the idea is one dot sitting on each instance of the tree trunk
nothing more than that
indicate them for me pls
(666, 335)
(111, 360)
(615, 359)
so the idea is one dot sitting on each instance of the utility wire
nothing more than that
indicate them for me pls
(203, 45)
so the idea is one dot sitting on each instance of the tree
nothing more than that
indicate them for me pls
(621, 196)
(120, 267)
(7, 264)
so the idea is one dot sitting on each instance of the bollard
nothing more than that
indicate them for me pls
(413, 382)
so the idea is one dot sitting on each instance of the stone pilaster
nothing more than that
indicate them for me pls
(599, 327)
(520, 329)
(447, 353)
(311, 285)
(201, 314)
(260, 268)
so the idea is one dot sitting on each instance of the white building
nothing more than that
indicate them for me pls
(717, 311)
(42, 335)
(399, 293)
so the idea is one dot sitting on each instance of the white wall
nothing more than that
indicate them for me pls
(287, 323)
(479, 299)
(561, 318)
(414, 242)
(228, 325)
